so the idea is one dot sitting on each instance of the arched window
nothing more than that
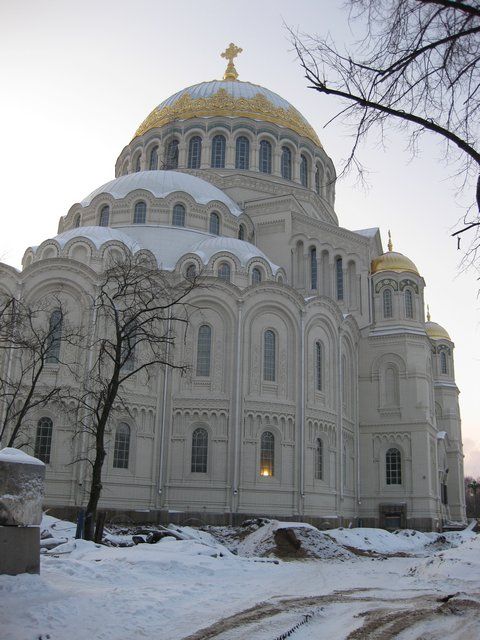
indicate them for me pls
(286, 163)
(214, 226)
(224, 271)
(265, 157)
(387, 303)
(269, 356)
(204, 350)
(318, 366)
(443, 362)
(218, 152)
(344, 465)
(391, 387)
(267, 454)
(408, 303)
(199, 451)
(242, 153)
(393, 466)
(153, 163)
(339, 277)
(105, 216)
(140, 213)
(138, 165)
(191, 272)
(178, 218)
(313, 268)
(241, 232)
(43, 440)
(304, 170)
(77, 221)
(171, 157)
(319, 460)
(194, 152)
(317, 179)
(256, 275)
(121, 451)
(344, 381)
(54, 337)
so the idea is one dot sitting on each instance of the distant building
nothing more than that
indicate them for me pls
(317, 391)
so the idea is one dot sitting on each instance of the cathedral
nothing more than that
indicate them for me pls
(316, 390)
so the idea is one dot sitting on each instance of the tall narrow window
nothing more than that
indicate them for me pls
(339, 277)
(242, 153)
(269, 356)
(304, 170)
(153, 163)
(265, 157)
(344, 465)
(138, 163)
(443, 362)
(121, 451)
(218, 152)
(105, 216)
(224, 271)
(319, 460)
(199, 451)
(267, 454)
(408, 303)
(391, 387)
(204, 350)
(256, 275)
(171, 156)
(194, 152)
(387, 303)
(344, 382)
(317, 179)
(393, 464)
(313, 269)
(241, 232)
(318, 366)
(77, 221)
(54, 338)
(178, 218)
(43, 440)
(214, 226)
(286, 163)
(140, 213)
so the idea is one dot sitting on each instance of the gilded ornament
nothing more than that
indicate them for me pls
(229, 54)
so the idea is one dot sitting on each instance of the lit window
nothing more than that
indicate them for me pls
(194, 152)
(204, 348)
(265, 157)
(199, 451)
(318, 366)
(214, 226)
(319, 460)
(171, 156)
(54, 337)
(387, 303)
(218, 152)
(242, 153)
(224, 271)
(339, 277)
(178, 218)
(43, 440)
(286, 163)
(121, 450)
(153, 164)
(304, 170)
(269, 356)
(393, 464)
(267, 454)
(256, 275)
(313, 268)
(408, 303)
(104, 216)
(140, 213)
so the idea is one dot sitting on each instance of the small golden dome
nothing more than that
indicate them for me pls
(393, 261)
(436, 331)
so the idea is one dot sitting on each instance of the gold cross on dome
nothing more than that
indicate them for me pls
(229, 54)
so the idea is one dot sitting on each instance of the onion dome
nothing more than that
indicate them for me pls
(228, 98)
(434, 330)
(393, 261)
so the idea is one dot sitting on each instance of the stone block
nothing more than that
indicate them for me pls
(22, 480)
(19, 550)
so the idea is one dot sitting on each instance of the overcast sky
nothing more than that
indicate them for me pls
(78, 78)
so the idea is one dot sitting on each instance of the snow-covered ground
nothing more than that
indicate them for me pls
(177, 587)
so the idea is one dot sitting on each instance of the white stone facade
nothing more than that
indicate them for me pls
(361, 405)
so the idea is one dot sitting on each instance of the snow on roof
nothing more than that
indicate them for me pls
(98, 235)
(10, 454)
(162, 183)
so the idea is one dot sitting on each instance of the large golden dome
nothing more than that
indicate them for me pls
(393, 261)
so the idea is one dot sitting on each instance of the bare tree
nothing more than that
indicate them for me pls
(416, 66)
(138, 311)
(32, 337)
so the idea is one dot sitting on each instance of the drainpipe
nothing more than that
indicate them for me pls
(302, 412)
(164, 410)
(237, 422)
